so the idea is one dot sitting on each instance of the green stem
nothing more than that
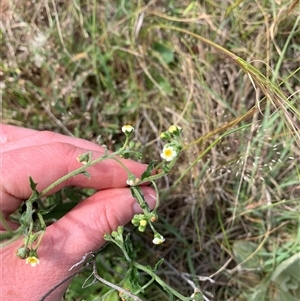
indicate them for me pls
(83, 168)
(28, 234)
(160, 281)
(43, 227)
(161, 174)
(144, 286)
(157, 195)
(71, 174)
(152, 178)
(123, 165)
(152, 228)
(127, 257)
(158, 175)
(6, 226)
(11, 236)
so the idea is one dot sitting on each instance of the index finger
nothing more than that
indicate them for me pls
(47, 163)
(13, 137)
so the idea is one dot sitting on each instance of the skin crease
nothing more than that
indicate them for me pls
(46, 156)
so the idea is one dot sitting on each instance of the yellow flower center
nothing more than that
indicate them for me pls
(32, 260)
(168, 152)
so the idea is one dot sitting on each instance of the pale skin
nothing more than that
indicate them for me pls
(47, 156)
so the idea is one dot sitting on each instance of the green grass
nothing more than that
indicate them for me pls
(230, 207)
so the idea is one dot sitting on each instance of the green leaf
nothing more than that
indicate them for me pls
(136, 191)
(165, 169)
(259, 293)
(166, 53)
(138, 195)
(32, 184)
(242, 249)
(287, 277)
(147, 173)
(165, 85)
(26, 217)
(89, 281)
(58, 210)
(189, 8)
(47, 210)
(129, 247)
(134, 280)
(85, 173)
(85, 158)
(157, 265)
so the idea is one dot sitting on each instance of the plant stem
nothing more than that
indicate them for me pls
(160, 281)
(80, 170)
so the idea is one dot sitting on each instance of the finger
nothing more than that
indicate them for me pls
(48, 163)
(82, 229)
(16, 137)
(66, 242)
(10, 133)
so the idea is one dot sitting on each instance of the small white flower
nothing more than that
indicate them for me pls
(158, 239)
(168, 153)
(132, 182)
(32, 260)
(127, 128)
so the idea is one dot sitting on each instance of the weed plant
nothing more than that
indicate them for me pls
(228, 74)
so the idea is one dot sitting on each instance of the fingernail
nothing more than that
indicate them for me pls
(149, 198)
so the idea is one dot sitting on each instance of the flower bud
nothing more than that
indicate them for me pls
(158, 239)
(165, 136)
(127, 129)
(175, 130)
(22, 252)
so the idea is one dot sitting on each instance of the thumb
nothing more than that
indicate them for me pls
(82, 229)
(66, 242)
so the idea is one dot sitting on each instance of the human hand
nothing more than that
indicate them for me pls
(47, 156)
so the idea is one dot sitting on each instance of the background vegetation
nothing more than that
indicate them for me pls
(230, 207)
